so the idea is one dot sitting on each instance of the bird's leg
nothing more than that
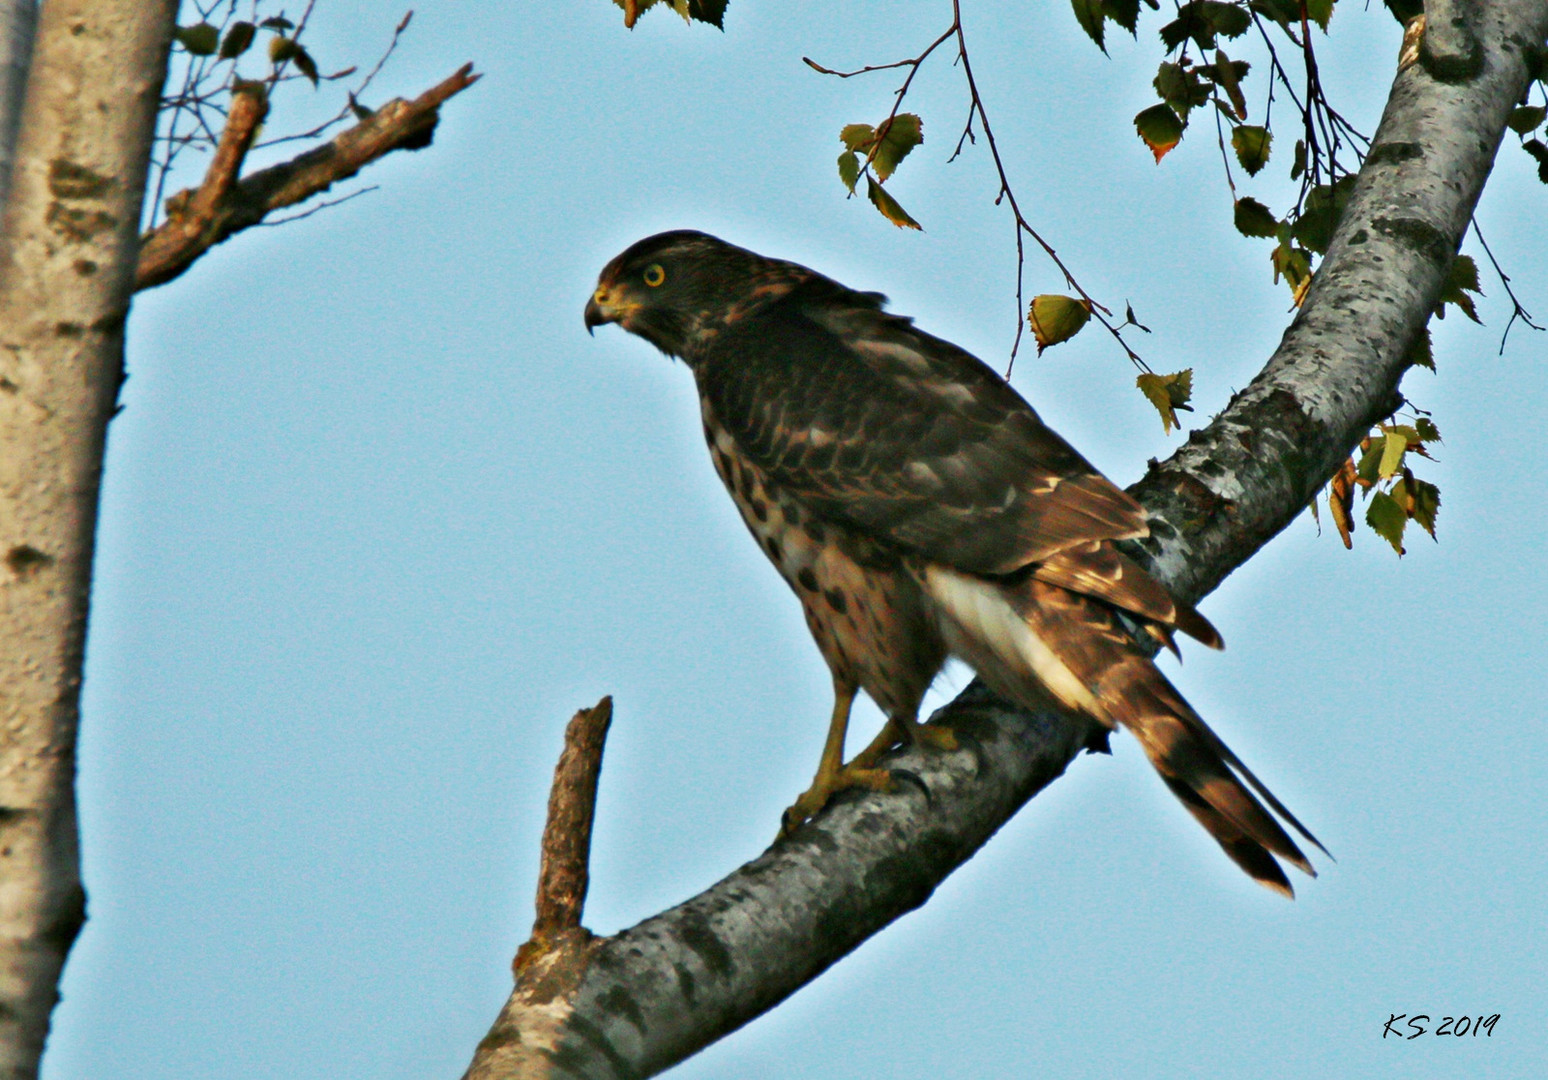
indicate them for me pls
(832, 774)
(899, 729)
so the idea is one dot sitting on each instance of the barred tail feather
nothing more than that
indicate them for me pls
(1035, 642)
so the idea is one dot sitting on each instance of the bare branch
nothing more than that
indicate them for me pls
(572, 802)
(170, 248)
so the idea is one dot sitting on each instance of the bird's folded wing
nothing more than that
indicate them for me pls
(881, 427)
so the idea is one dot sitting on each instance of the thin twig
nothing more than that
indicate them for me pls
(318, 208)
(1517, 312)
(169, 249)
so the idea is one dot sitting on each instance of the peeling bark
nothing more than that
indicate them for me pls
(67, 258)
(636, 1003)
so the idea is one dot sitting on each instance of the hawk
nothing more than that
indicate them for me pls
(920, 509)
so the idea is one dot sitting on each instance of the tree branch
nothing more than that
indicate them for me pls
(197, 222)
(636, 1003)
(572, 803)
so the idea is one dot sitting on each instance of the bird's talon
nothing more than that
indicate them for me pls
(815, 798)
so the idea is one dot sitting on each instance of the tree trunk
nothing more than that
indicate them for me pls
(67, 261)
(634, 1004)
(18, 21)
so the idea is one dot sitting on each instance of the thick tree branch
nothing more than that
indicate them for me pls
(636, 1003)
(199, 219)
(67, 257)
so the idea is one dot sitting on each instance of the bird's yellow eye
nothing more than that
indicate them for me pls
(654, 275)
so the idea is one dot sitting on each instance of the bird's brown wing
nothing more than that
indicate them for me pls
(877, 425)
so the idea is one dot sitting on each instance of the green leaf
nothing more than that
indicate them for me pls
(902, 134)
(1091, 16)
(708, 11)
(1252, 147)
(1227, 20)
(1123, 12)
(1370, 461)
(1427, 430)
(1419, 354)
(849, 169)
(1284, 12)
(857, 136)
(1425, 504)
(1228, 75)
(1540, 152)
(1168, 393)
(1180, 87)
(1461, 280)
(1056, 318)
(304, 63)
(1299, 165)
(277, 22)
(1320, 214)
(1319, 12)
(200, 39)
(889, 206)
(238, 39)
(282, 48)
(1387, 519)
(1524, 118)
(1255, 219)
(1403, 10)
(1161, 129)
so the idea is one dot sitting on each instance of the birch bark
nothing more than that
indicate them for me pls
(67, 258)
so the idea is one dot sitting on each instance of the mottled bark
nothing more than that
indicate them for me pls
(67, 259)
(638, 1002)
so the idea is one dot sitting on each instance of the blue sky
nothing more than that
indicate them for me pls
(379, 516)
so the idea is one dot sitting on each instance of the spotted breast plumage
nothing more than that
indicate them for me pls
(920, 509)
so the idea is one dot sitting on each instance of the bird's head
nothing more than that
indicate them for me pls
(678, 289)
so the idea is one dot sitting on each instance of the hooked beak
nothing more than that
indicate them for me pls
(600, 309)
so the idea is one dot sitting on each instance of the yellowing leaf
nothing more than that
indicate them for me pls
(1056, 318)
(1393, 447)
(1161, 129)
(1252, 147)
(904, 132)
(1168, 393)
(889, 206)
(1341, 501)
(1461, 280)
(857, 136)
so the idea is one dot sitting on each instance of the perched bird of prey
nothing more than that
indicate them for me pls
(920, 509)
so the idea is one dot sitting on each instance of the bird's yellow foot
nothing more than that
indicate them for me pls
(933, 737)
(897, 734)
(814, 798)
